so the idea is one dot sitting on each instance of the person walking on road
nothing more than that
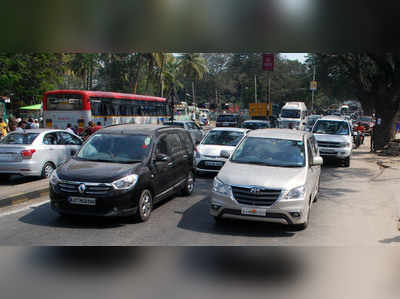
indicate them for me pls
(69, 129)
(21, 127)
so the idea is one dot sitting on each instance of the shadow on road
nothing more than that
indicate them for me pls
(16, 180)
(205, 224)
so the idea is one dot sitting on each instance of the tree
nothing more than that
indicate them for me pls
(375, 79)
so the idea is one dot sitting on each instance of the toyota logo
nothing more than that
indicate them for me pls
(255, 190)
(82, 188)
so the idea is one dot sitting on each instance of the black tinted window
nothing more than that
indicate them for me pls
(174, 143)
(68, 139)
(187, 142)
(51, 139)
(226, 118)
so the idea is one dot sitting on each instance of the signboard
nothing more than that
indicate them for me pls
(313, 85)
(258, 109)
(268, 62)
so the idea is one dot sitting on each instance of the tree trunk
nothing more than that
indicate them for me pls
(386, 112)
(137, 74)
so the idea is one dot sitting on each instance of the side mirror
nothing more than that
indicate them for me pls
(225, 154)
(318, 160)
(162, 158)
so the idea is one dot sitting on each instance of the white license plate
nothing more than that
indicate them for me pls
(82, 201)
(208, 163)
(254, 211)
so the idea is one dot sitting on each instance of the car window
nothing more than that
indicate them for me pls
(162, 146)
(187, 142)
(19, 138)
(191, 126)
(68, 139)
(51, 139)
(331, 127)
(175, 124)
(174, 143)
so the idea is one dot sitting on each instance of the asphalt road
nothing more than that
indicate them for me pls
(357, 206)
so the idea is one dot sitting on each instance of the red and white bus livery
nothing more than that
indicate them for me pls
(78, 107)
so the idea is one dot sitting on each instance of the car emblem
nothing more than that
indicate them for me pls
(82, 188)
(255, 190)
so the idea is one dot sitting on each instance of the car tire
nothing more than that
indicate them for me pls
(347, 162)
(47, 170)
(189, 185)
(145, 205)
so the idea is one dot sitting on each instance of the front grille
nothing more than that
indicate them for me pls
(329, 144)
(202, 165)
(263, 197)
(72, 187)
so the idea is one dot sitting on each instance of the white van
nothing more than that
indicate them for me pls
(293, 114)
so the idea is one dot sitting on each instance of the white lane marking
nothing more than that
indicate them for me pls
(34, 205)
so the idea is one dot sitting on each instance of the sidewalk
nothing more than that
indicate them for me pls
(11, 195)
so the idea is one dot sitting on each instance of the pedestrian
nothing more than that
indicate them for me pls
(20, 127)
(29, 125)
(69, 129)
(36, 124)
(3, 128)
(12, 124)
(98, 126)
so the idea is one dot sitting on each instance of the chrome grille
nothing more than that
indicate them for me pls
(91, 188)
(263, 196)
(329, 144)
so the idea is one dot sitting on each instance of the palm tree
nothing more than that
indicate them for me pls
(194, 66)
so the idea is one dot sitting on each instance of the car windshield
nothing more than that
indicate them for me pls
(311, 120)
(116, 148)
(255, 125)
(331, 127)
(270, 152)
(180, 125)
(290, 113)
(226, 118)
(219, 137)
(19, 138)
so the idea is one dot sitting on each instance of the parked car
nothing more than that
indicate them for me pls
(195, 131)
(124, 170)
(256, 124)
(208, 152)
(228, 120)
(335, 138)
(36, 152)
(272, 176)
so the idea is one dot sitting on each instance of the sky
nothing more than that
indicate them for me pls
(295, 56)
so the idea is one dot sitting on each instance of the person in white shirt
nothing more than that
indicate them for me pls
(20, 127)
(69, 129)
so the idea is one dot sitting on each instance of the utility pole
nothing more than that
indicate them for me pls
(312, 95)
(255, 88)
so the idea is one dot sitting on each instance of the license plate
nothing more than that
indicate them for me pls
(82, 201)
(254, 211)
(225, 124)
(208, 163)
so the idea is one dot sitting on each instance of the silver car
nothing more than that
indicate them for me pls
(36, 152)
(217, 140)
(194, 130)
(272, 176)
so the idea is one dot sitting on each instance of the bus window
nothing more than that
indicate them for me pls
(96, 106)
(64, 102)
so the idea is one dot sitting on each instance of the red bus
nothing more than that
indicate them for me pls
(78, 107)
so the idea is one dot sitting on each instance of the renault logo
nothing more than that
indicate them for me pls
(255, 190)
(82, 188)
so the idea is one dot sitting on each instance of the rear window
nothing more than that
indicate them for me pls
(226, 118)
(19, 138)
(64, 102)
(228, 138)
(180, 125)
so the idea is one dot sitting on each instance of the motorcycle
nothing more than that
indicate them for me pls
(358, 137)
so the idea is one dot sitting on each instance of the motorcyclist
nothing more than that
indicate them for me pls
(361, 129)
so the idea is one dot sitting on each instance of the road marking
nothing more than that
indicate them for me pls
(24, 208)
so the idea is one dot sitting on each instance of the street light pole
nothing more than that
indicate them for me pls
(312, 92)
(255, 88)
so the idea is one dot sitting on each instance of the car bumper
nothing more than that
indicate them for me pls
(337, 153)
(284, 212)
(204, 164)
(24, 167)
(109, 205)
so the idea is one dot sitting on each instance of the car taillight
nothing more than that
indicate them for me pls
(27, 154)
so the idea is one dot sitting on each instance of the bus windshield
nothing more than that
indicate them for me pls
(64, 102)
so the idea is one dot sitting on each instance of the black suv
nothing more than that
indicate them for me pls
(124, 170)
(228, 120)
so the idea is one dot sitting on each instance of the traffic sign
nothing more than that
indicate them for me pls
(268, 62)
(313, 85)
(258, 109)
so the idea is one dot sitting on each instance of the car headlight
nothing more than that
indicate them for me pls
(54, 180)
(220, 187)
(294, 193)
(198, 155)
(126, 183)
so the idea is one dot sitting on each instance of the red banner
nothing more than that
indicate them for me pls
(268, 62)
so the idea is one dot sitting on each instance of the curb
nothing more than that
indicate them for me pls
(15, 199)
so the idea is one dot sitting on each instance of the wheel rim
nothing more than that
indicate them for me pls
(190, 184)
(48, 170)
(146, 203)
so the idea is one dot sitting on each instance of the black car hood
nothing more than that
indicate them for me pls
(101, 172)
